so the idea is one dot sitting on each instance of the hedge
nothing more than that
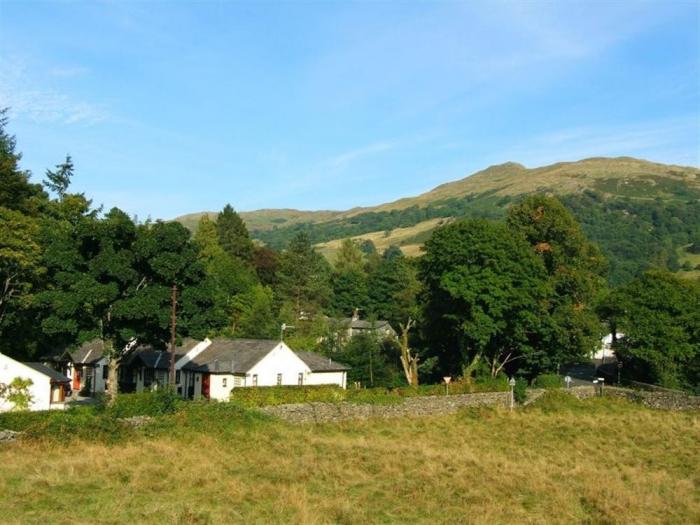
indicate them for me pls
(281, 395)
(548, 381)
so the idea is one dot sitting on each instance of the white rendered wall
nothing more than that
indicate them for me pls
(40, 389)
(217, 390)
(281, 360)
(99, 382)
(326, 378)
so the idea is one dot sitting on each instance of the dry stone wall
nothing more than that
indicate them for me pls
(411, 406)
(439, 405)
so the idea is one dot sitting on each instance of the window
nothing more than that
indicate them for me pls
(279, 379)
(301, 378)
(223, 382)
(177, 377)
(105, 371)
(255, 379)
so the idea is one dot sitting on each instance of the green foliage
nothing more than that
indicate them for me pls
(576, 277)
(17, 392)
(482, 205)
(372, 362)
(548, 381)
(233, 234)
(279, 395)
(20, 262)
(282, 395)
(16, 192)
(486, 295)
(394, 289)
(58, 181)
(349, 292)
(659, 314)
(151, 403)
(520, 390)
(636, 235)
(76, 423)
(304, 277)
(255, 315)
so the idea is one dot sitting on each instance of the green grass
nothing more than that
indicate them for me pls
(560, 460)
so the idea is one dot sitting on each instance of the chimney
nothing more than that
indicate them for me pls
(356, 314)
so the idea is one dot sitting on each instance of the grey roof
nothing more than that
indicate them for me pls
(319, 363)
(88, 353)
(158, 359)
(362, 324)
(56, 377)
(235, 356)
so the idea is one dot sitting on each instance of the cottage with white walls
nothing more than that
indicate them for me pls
(86, 366)
(48, 386)
(212, 368)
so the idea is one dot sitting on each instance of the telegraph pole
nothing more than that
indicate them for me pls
(173, 324)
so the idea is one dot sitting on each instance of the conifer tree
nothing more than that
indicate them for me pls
(233, 234)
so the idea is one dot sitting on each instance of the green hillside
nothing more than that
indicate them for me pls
(640, 212)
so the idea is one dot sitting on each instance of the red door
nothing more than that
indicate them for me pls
(205, 385)
(76, 379)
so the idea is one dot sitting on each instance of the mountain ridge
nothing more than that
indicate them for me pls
(505, 179)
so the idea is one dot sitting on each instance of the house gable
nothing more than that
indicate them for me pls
(280, 360)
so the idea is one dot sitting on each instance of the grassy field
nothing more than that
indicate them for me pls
(382, 240)
(559, 461)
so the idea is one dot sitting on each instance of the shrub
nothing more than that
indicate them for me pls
(83, 422)
(520, 390)
(17, 393)
(548, 381)
(155, 403)
(373, 396)
(280, 395)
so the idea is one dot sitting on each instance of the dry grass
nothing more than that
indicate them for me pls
(382, 240)
(599, 461)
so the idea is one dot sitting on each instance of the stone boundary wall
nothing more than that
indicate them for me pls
(439, 405)
(663, 399)
(410, 406)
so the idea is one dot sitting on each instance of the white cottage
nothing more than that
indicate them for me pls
(86, 366)
(48, 388)
(212, 368)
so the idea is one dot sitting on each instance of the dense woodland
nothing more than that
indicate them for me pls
(519, 293)
(634, 233)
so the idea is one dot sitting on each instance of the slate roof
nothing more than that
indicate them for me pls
(55, 376)
(361, 324)
(159, 359)
(235, 356)
(88, 353)
(318, 363)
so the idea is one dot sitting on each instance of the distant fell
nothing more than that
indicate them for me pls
(615, 177)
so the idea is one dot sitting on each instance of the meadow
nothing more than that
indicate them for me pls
(560, 460)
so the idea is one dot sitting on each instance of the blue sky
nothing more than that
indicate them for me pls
(175, 107)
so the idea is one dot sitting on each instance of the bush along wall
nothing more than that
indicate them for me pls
(282, 395)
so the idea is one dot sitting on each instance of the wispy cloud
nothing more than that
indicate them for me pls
(28, 96)
(343, 160)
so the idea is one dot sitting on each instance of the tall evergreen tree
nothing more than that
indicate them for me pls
(349, 279)
(58, 180)
(304, 277)
(233, 234)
